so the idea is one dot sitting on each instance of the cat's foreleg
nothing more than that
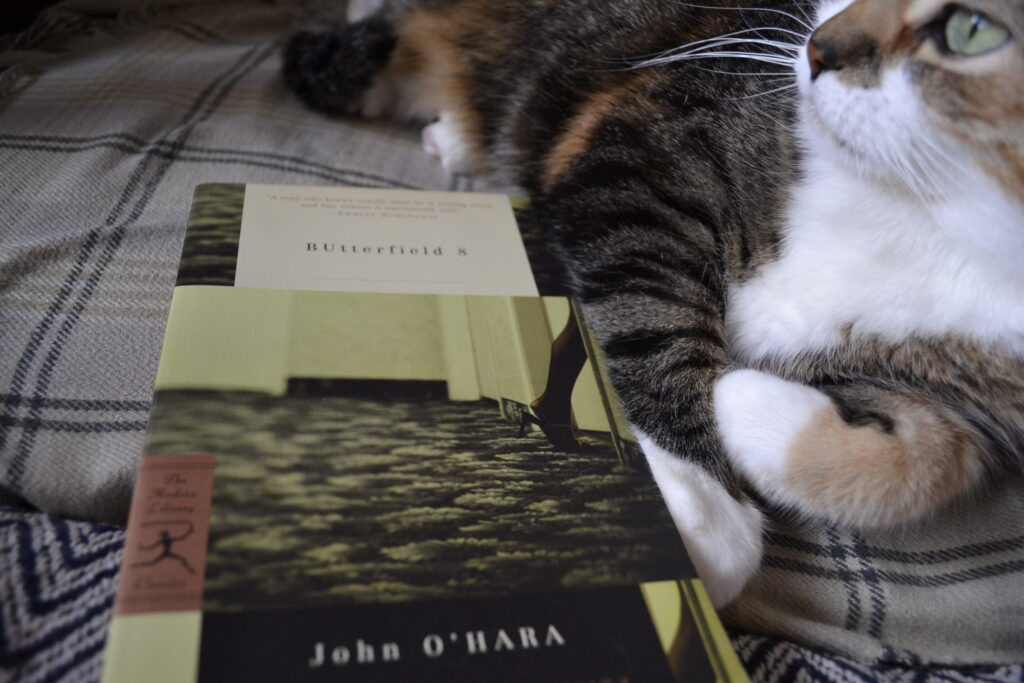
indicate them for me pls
(664, 354)
(864, 456)
(655, 308)
(643, 224)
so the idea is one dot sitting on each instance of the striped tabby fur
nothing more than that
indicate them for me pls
(725, 238)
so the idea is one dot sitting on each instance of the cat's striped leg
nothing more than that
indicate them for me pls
(647, 269)
(649, 207)
(864, 456)
(653, 306)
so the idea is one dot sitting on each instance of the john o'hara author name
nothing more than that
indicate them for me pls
(435, 646)
(384, 250)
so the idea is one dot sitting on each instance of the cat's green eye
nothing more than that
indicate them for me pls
(972, 33)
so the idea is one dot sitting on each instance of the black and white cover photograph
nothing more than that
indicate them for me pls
(385, 448)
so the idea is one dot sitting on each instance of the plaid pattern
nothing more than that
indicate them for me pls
(108, 145)
(947, 591)
(102, 150)
(56, 602)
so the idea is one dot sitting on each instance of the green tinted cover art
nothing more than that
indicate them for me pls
(411, 485)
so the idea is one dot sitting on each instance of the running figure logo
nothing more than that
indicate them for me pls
(164, 542)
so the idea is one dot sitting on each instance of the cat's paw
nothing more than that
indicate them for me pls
(760, 419)
(721, 534)
(444, 140)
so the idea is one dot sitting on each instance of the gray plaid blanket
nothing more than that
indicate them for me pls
(111, 113)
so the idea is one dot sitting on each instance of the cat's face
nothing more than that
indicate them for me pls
(920, 91)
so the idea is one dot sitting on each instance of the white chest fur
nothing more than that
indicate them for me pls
(883, 264)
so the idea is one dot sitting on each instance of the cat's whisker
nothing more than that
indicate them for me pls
(805, 23)
(922, 157)
(725, 39)
(948, 158)
(767, 58)
(690, 45)
(944, 162)
(766, 92)
(807, 14)
(925, 168)
(787, 79)
(916, 177)
(760, 30)
(949, 173)
(779, 45)
(907, 173)
(929, 186)
(780, 74)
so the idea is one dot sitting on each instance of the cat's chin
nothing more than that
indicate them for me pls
(820, 139)
(823, 140)
(825, 148)
(880, 134)
(722, 535)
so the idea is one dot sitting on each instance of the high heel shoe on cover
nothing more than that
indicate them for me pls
(558, 435)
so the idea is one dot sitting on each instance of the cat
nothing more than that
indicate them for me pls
(797, 237)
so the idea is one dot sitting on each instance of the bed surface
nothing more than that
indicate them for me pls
(109, 117)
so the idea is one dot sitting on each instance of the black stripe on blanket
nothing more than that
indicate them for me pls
(106, 239)
(75, 403)
(189, 153)
(90, 427)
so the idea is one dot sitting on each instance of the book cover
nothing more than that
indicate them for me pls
(346, 477)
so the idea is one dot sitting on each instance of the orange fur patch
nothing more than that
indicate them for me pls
(1010, 174)
(429, 52)
(575, 139)
(865, 476)
(879, 22)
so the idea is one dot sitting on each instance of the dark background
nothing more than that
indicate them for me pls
(18, 15)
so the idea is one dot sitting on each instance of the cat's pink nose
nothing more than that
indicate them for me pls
(815, 58)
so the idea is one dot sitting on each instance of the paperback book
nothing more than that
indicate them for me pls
(383, 448)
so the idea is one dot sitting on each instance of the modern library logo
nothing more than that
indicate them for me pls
(166, 542)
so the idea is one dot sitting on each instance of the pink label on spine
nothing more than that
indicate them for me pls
(168, 528)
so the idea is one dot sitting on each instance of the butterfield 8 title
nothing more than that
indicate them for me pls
(435, 646)
(379, 250)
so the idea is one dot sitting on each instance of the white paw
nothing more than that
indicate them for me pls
(760, 417)
(360, 9)
(444, 140)
(722, 535)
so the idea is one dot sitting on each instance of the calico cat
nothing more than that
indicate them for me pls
(798, 239)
